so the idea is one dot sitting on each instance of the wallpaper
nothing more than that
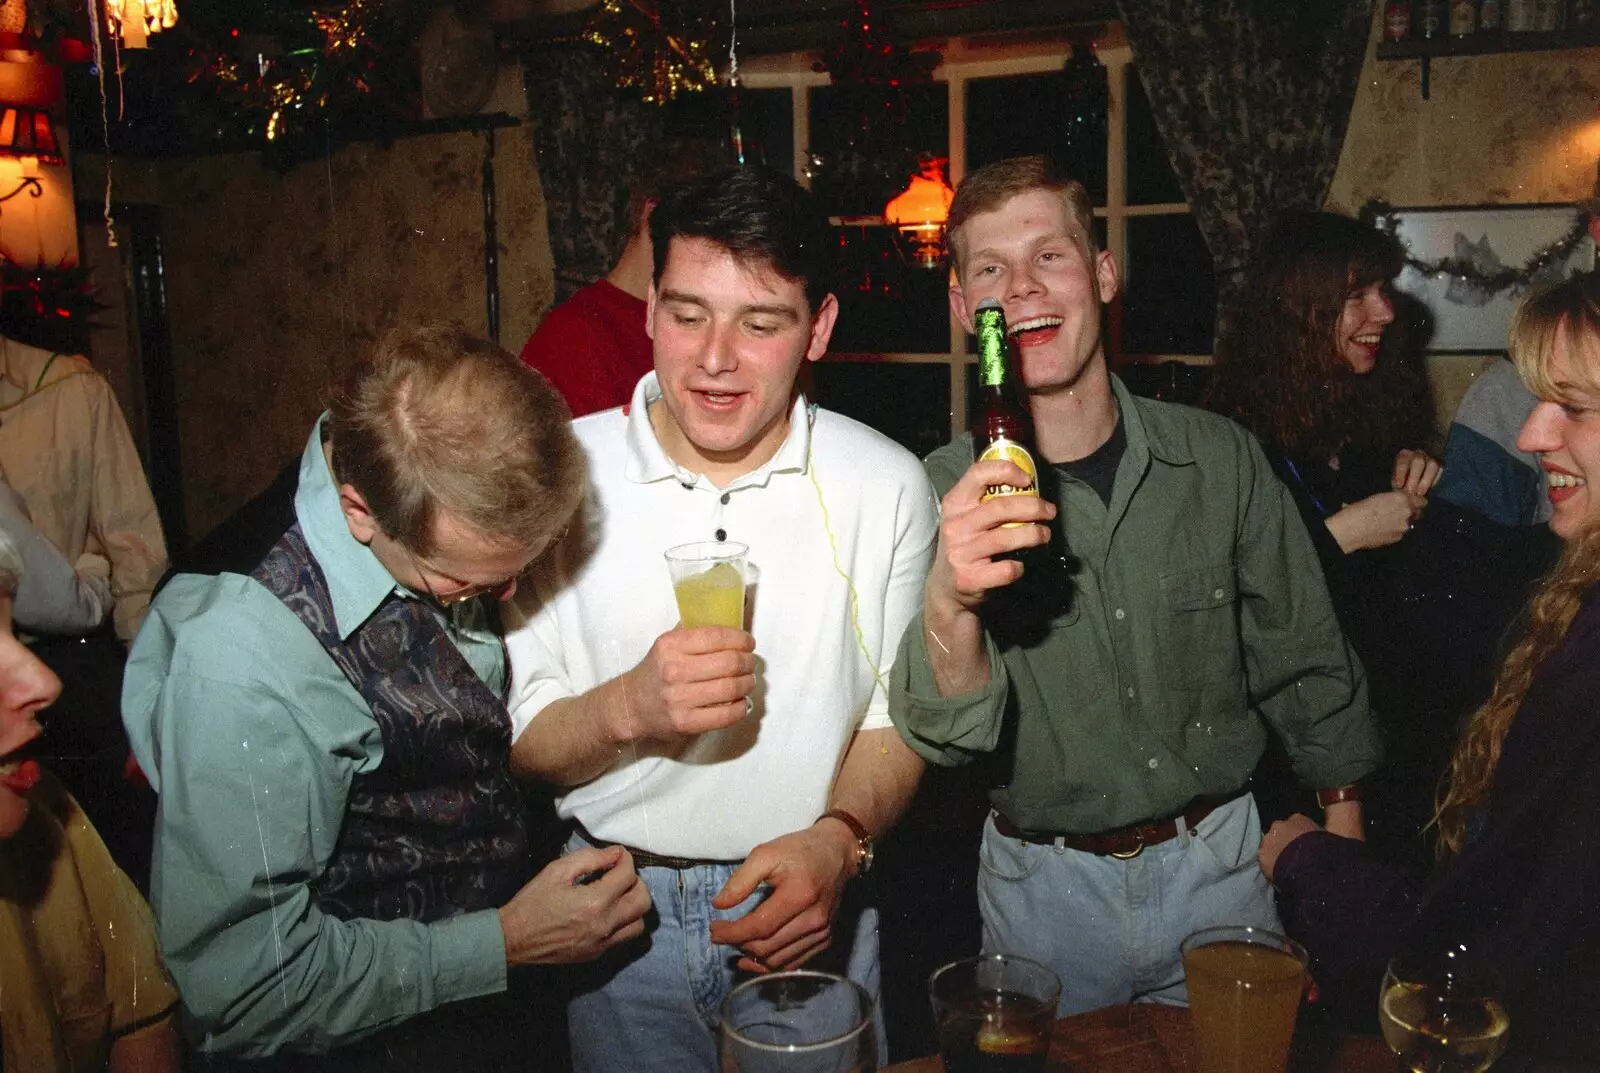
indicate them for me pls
(276, 282)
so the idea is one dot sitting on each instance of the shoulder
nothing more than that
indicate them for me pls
(873, 457)
(219, 627)
(946, 465)
(602, 434)
(569, 321)
(44, 369)
(1179, 433)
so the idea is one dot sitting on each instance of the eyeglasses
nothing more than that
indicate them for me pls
(500, 589)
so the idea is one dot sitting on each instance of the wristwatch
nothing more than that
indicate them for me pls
(863, 837)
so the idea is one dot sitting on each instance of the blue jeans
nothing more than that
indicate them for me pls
(654, 1004)
(1111, 928)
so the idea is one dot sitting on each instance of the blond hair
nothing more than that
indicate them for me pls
(1570, 309)
(992, 185)
(438, 421)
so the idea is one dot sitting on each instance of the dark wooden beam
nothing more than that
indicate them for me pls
(770, 26)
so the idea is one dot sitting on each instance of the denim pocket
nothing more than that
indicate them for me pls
(1231, 835)
(1008, 858)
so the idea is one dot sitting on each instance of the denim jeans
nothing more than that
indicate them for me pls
(653, 1004)
(1111, 928)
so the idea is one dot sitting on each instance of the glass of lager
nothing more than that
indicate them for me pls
(1244, 993)
(708, 580)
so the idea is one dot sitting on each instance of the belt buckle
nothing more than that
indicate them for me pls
(1135, 851)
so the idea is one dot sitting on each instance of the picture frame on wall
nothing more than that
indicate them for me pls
(1489, 240)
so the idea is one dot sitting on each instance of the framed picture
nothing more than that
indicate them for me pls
(1470, 311)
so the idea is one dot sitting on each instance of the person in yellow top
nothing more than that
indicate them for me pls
(65, 449)
(82, 986)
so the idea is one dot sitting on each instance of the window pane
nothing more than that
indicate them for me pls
(867, 151)
(1170, 304)
(908, 403)
(886, 301)
(1027, 114)
(1151, 180)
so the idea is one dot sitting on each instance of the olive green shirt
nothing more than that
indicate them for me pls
(1197, 610)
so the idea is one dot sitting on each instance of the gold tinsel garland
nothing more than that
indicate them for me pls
(660, 56)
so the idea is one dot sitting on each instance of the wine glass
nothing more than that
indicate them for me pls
(1436, 1019)
(798, 1022)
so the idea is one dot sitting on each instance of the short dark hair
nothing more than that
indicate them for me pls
(762, 218)
(437, 419)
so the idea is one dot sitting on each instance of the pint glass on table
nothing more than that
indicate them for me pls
(1244, 993)
(994, 1013)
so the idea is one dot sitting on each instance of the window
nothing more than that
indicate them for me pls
(899, 359)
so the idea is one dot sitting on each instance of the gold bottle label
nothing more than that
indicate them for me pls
(1004, 450)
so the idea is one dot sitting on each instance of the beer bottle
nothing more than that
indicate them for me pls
(1002, 427)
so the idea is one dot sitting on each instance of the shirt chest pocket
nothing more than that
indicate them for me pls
(1199, 626)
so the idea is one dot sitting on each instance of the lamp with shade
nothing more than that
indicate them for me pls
(28, 136)
(136, 20)
(920, 210)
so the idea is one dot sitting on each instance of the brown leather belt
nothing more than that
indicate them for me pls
(1122, 843)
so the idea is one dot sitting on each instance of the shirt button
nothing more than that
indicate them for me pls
(725, 497)
(722, 534)
(1130, 692)
(1121, 614)
(1153, 763)
(1219, 594)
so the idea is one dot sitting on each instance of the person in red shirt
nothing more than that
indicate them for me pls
(593, 348)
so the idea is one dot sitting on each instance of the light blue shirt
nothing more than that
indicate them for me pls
(251, 734)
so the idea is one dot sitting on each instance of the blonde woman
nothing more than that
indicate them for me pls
(1520, 859)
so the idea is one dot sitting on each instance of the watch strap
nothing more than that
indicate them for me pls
(862, 835)
(1351, 792)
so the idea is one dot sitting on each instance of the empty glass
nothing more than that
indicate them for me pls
(798, 1022)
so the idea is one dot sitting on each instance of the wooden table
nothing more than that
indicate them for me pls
(1157, 1039)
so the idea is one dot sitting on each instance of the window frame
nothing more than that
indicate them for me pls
(963, 61)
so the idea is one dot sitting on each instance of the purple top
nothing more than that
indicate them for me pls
(1524, 897)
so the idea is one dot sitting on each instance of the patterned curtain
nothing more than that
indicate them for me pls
(587, 144)
(1252, 98)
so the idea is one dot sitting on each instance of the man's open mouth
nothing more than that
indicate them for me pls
(1024, 330)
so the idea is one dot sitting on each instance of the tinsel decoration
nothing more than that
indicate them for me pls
(349, 63)
(1466, 273)
(869, 55)
(49, 307)
(660, 50)
(871, 152)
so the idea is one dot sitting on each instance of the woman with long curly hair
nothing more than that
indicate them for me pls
(1519, 856)
(1342, 420)
(1343, 415)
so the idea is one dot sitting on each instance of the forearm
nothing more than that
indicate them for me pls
(295, 979)
(1345, 526)
(956, 655)
(575, 739)
(877, 779)
(1344, 818)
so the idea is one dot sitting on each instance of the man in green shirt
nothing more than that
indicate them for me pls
(1166, 604)
(341, 875)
